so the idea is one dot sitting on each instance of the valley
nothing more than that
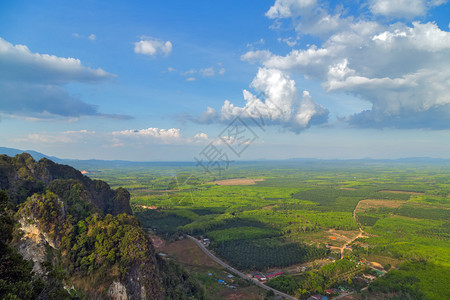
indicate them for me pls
(342, 225)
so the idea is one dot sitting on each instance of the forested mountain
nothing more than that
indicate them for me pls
(65, 236)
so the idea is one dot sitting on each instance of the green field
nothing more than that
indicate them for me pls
(286, 218)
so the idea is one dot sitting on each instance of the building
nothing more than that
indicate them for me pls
(260, 277)
(273, 274)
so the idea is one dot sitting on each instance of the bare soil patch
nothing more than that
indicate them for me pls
(251, 292)
(237, 181)
(188, 253)
(157, 242)
(376, 203)
(196, 261)
(402, 192)
(147, 207)
(383, 260)
(268, 207)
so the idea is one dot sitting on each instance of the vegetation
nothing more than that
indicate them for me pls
(83, 229)
(412, 281)
(297, 209)
(298, 213)
(17, 281)
(266, 253)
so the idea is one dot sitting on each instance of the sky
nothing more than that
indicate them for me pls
(221, 81)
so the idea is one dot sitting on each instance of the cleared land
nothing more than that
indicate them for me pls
(237, 181)
(402, 192)
(377, 203)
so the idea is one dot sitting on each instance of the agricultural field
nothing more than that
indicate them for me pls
(261, 217)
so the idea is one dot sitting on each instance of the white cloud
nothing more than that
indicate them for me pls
(209, 116)
(91, 37)
(124, 138)
(154, 135)
(17, 61)
(151, 46)
(256, 56)
(150, 132)
(277, 104)
(289, 8)
(70, 136)
(403, 8)
(207, 72)
(403, 70)
(291, 42)
(204, 72)
(261, 41)
(41, 93)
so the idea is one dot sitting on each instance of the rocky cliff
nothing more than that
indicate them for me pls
(80, 238)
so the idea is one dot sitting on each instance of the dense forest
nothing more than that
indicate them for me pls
(65, 236)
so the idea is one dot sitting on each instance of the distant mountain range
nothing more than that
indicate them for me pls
(36, 155)
(97, 163)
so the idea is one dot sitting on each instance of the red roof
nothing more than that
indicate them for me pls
(274, 274)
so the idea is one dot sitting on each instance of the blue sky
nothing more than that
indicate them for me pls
(165, 80)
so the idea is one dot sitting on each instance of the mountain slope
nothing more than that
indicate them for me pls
(79, 233)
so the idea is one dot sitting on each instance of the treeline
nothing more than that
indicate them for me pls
(312, 282)
(415, 280)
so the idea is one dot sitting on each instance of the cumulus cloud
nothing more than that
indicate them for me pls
(40, 93)
(403, 8)
(290, 8)
(276, 104)
(401, 68)
(256, 56)
(310, 17)
(151, 46)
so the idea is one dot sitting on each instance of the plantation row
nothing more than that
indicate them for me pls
(251, 255)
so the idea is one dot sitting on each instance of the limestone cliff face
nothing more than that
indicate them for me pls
(33, 245)
(43, 223)
(117, 291)
(94, 247)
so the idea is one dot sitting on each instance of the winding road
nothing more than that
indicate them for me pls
(239, 273)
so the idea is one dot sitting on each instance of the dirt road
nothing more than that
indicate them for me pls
(360, 234)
